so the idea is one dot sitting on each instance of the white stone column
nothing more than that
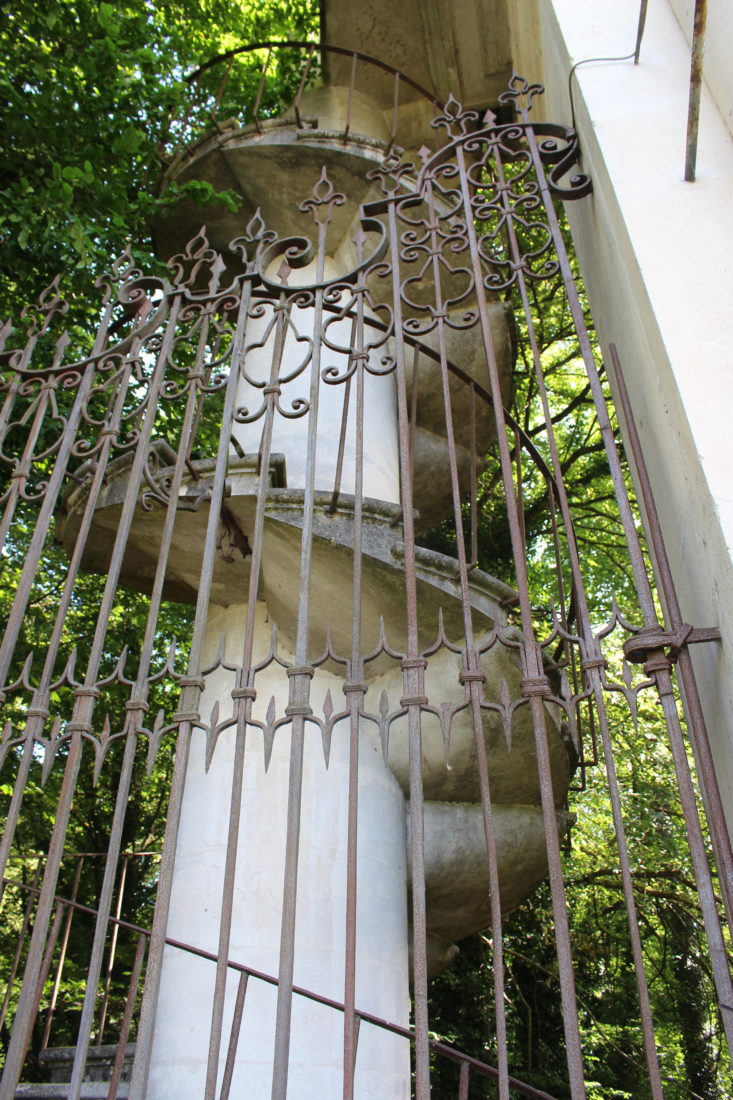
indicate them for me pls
(381, 452)
(184, 1008)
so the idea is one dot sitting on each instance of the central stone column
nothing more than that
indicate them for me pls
(316, 1045)
(315, 1064)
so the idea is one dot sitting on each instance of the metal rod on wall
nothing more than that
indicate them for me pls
(693, 111)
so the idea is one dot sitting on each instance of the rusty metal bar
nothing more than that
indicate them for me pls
(355, 698)
(45, 968)
(352, 82)
(62, 954)
(342, 434)
(395, 109)
(112, 950)
(697, 725)
(222, 85)
(303, 80)
(300, 676)
(640, 29)
(413, 670)
(119, 1061)
(693, 110)
(260, 89)
(464, 1081)
(226, 1083)
(474, 478)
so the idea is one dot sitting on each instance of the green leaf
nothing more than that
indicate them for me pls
(106, 16)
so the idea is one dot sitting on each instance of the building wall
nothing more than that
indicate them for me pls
(657, 257)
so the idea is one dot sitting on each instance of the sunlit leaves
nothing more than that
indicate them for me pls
(87, 94)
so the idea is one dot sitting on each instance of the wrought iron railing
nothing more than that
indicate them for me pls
(249, 85)
(263, 459)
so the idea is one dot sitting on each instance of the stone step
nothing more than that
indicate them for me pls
(57, 1062)
(58, 1090)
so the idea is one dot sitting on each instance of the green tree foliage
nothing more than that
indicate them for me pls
(88, 92)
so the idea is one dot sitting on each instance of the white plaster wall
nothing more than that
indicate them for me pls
(657, 257)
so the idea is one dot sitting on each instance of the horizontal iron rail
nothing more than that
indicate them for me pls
(386, 1025)
(271, 44)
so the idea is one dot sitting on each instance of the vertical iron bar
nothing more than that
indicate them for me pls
(534, 676)
(341, 445)
(640, 29)
(243, 708)
(191, 692)
(301, 86)
(119, 1062)
(593, 661)
(706, 893)
(472, 675)
(693, 110)
(226, 1083)
(352, 83)
(413, 666)
(62, 953)
(112, 949)
(260, 88)
(290, 884)
(48, 953)
(222, 85)
(474, 477)
(697, 725)
(464, 1081)
(355, 693)
(395, 108)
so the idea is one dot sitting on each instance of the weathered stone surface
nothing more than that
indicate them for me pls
(447, 47)
(450, 770)
(456, 867)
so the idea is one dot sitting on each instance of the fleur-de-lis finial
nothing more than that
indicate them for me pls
(520, 94)
(187, 265)
(454, 120)
(47, 305)
(256, 235)
(322, 200)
